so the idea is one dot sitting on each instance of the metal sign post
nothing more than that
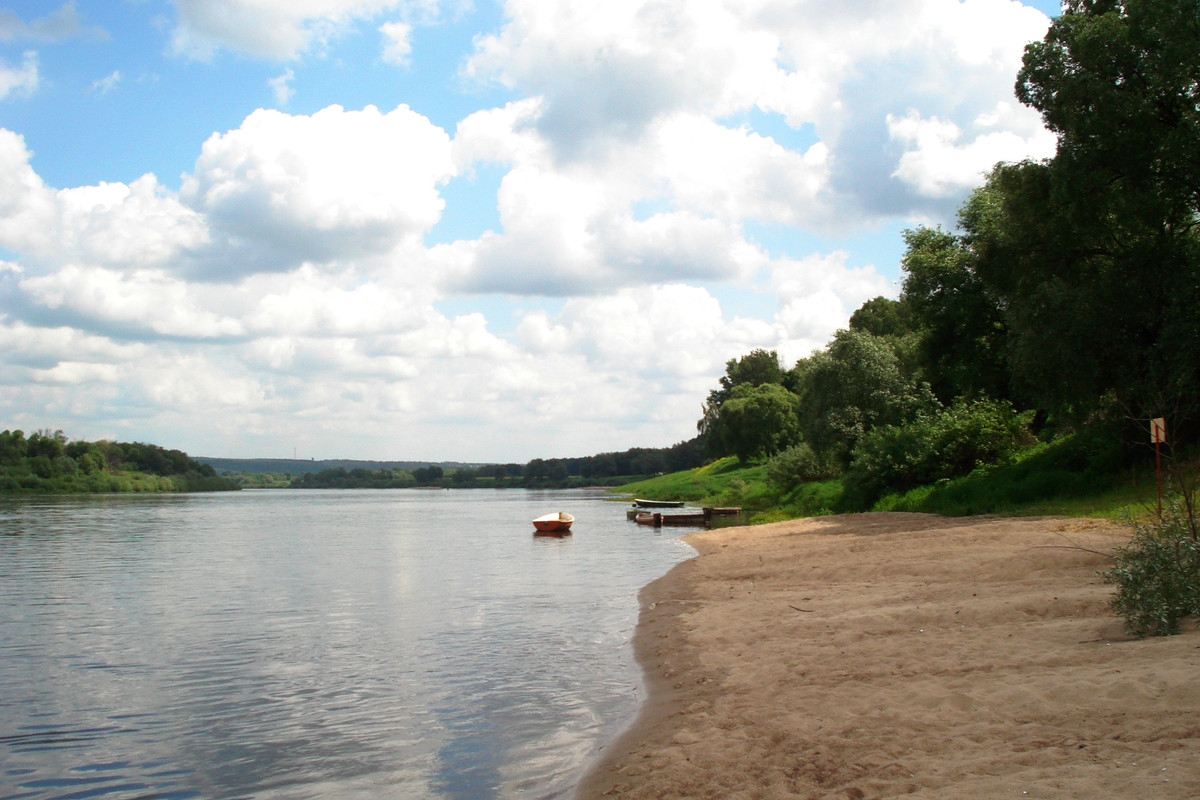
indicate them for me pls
(1158, 435)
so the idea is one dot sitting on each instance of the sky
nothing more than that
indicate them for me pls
(465, 230)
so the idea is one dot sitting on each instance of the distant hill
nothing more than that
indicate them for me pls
(296, 466)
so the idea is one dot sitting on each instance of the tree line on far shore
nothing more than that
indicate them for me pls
(604, 469)
(1067, 300)
(47, 461)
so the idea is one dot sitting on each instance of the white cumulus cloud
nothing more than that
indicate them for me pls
(138, 301)
(817, 295)
(607, 70)
(941, 160)
(135, 225)
(281, 190)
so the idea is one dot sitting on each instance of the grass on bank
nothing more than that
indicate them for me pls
(1075, 476)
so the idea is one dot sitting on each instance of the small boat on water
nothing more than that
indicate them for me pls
(658, 519)
(559, 522)
(640, 503)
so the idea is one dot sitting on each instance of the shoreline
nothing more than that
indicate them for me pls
(888, 655)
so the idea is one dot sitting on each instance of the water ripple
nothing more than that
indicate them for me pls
(312, 645)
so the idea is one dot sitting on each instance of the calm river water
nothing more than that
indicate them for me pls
(291, 644)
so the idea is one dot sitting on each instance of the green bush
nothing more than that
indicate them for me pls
(956, 441)
(1080, 465)
(812, 499)
(1157, 573)
(795, 465)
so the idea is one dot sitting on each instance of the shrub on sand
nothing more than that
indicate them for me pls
(1157, 573)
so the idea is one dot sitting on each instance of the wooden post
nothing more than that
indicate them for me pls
(1158, 435)
(1158, 472)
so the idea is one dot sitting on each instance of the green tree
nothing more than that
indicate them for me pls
(42, 466)
(463, 476)
(91, 461)
(1117, 82)
(50, 444)
(1094, 256)
(756, 368)
(882, 316)
(962, 338)
(429, 474)
(13, 448)
(759, 420)
(852, 386)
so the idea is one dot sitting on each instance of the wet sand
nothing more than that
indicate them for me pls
(903, 655)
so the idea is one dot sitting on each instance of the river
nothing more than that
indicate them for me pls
(316, 644)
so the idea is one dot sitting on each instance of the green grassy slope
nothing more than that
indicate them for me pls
(1070, 477)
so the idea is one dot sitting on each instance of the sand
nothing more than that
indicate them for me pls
(903, 655)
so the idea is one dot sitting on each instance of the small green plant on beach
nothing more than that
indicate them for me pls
(1157, 573)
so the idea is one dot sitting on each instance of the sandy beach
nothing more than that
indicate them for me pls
(903, 655)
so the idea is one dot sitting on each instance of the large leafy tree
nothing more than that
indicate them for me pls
(757, 368)
(882, 316)
(1119, 82)
(1093, 257)
(759, 420)
(962, 336)
(852, 386)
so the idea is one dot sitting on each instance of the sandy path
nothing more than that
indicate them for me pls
(888, 655)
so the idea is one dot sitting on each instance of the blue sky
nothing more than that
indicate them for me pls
(478, 231)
